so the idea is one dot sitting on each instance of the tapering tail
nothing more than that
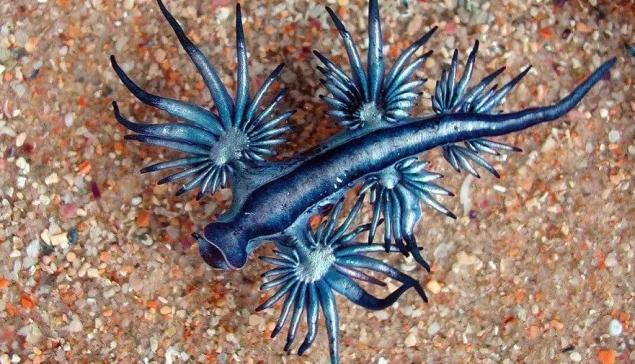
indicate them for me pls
(511, 122)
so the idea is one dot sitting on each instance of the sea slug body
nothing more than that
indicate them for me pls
(377, 156)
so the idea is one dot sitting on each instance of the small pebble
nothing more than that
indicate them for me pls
(75, 325)
(575, 356)
(19, 141)
(606, 356)
(464, 258)
(33, 249)
(21, 182)
(582, 28)
(611, 259)
(72, 236)
(433, 286)
(68, 120)
(31, 44)
(70, 256)
(59, 239)
(604, 112)
(411, 340)
(51, 179)
(92, 272)
(19, 89)
(136, 281)
(146, 240)
(381, 315)
(256, 320)
(615, 327)
(614, 136)
(433, 328)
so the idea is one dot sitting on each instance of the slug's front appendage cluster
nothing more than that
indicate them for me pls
(217, 146)
(378, 153)
(324, 261)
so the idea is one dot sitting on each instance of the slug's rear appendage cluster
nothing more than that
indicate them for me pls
(452, 98)
(370, 98)
(378, 153)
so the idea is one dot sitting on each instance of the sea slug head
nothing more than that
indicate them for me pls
(223, 246)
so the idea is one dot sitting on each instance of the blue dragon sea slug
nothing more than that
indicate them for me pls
(377, 153)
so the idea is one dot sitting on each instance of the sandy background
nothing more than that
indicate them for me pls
(97, 263)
